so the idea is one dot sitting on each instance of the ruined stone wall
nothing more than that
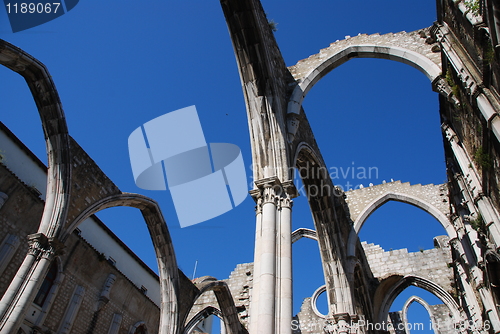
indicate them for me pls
(81, 265)
(471, 68)
(431, 264)
(19, 216)
(363, 201)
(307, 321)
(240, 283)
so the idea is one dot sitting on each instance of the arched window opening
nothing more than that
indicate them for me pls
(397, 225)
(208, 320)
(418, 318)
(387, 128)
(21, 115)
(47, 284)
(217, 324)
(128, 224)
(141, 330)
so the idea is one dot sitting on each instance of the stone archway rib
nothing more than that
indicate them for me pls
(55, 131)
(165, 255)
(303, 233)
(397, 283)
(203, 314)
(409, 48)
(225, 301)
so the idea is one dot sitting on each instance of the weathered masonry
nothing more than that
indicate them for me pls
(459, 54)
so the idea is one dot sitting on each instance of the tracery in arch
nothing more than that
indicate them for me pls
(391, 287)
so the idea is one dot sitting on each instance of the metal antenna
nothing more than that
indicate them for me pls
(194, 271)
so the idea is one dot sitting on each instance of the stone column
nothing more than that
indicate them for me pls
(267, 261)
(271, 303)
(264, 292)
(284, 257)
(469, 296)
(23, 289)
(483, 203)
(489, 308)
(254, 309)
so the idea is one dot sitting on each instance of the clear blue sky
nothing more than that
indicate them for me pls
(119, 66)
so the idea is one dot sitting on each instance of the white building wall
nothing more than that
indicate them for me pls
(22, 164)
(28, 170)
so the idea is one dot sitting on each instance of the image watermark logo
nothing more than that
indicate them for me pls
(363, 326)
(205, 180)
(312, 180)
(26, 14)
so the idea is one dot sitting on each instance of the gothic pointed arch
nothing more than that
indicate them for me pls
(198, 317)
(228, 311)
(407, 48)
(165, 255)
(325, 202)
(430, 198)
(55, 130)
(393, 285)
(406, 306)
(138, 328)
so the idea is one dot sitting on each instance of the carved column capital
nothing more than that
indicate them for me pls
(269, 189)
(36, 243)
(285, 202)
(256, 195)
(41, 246)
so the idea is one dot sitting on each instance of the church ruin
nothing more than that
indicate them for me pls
(43, 290)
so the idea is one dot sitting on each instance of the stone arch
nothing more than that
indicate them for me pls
(165, 255)
(359, 284)
(404, 198)
(55, 129)
(417, 54)
(225, 301)
(426, 199)
(138, 328)
(406, 306)
(314, 300)
(323, 196)
(305, 148)
(392, 286)
(203, 314)
(303, 233)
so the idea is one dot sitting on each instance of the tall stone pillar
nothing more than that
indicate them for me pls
(482, 202)
(254, 309)
(266, 259)
(271, 304)
(284, 300)
(23, 289)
